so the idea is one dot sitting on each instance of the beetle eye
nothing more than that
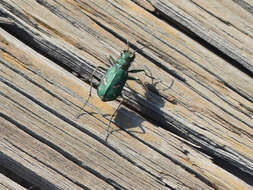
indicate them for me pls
(122, 52)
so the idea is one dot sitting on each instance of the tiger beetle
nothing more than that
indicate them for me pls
(111, 85)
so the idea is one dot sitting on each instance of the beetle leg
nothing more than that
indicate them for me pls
(138, 81)
(141, 70)
(108, 132)
(152, 78)
(111, 60)
(136, 71)
(132, 78)
(91, 86)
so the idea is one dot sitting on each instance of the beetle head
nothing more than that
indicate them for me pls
(127, 55)
(126, 58)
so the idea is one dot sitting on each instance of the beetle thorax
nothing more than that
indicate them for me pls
(125, 60)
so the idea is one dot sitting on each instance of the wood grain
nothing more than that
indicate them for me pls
(174, 134)
(7, 184)
(225, 25)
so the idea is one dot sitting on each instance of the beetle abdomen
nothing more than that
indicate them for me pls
(111, 85)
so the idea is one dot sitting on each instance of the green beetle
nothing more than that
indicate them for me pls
(112, 84)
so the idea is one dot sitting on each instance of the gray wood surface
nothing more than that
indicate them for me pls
(7, 184)
(226, 26)
(189, 128)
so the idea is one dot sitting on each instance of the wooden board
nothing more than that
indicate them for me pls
(225, 26)
(7, 184)
(175, 134)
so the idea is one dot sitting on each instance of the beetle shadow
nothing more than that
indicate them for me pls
(128, 120)
(155, 98)
(154, 93)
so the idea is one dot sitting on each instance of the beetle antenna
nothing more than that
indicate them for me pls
(142, 48)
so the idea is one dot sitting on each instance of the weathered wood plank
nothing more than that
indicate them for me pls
(222, 24)
(8, 184)
(32, 63)
(245, 4)
(71, 143)
(209, 104)
(20, 79)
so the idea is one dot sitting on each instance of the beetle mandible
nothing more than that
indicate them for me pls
(113, 82)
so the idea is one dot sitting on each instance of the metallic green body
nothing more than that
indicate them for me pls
(112, 83)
